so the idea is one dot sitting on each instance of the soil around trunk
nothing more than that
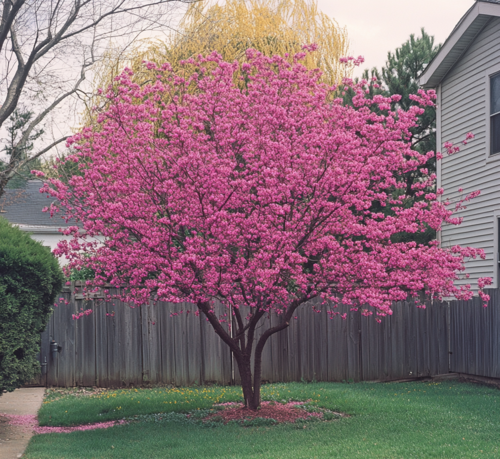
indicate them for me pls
(279, 412)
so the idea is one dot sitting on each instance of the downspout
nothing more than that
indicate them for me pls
(439, 145)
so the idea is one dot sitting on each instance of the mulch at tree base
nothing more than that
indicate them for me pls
(279, 412)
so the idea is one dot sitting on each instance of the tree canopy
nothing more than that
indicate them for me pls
(257, 193)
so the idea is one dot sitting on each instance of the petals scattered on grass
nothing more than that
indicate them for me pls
(97, 425)
(29, 423)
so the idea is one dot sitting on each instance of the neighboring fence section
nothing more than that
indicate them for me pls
(475, 336)
(120, 346)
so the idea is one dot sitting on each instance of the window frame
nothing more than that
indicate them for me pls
(491, 115)
(489, 73)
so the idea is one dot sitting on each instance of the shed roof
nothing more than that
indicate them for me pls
(462, 36)
(24, 206)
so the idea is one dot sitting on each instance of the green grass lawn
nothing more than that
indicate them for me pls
(405, 420)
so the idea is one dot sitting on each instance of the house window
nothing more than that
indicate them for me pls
(495, 114)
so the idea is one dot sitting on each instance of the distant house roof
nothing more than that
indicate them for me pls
(24, 207)
(462, 36)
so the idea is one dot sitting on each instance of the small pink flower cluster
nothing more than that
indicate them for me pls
(350, 60)
(81, 314)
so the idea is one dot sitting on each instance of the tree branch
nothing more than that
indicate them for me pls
(116, 11)
(26, 134)
(17, 84)
(51, 41)
(204, 307)
(14, 164)
(44, 150)
(9, 12)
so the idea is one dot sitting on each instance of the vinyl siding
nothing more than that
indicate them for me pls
(463, 109)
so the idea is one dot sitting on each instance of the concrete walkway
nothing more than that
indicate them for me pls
(13, 438)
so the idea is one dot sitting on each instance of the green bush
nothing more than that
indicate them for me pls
(30, 279)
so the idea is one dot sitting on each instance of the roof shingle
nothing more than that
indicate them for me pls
(24, 206)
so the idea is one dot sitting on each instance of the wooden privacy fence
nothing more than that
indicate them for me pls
(119, 346)
(475, 336)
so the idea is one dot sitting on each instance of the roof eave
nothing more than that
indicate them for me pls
(39, 229)
(458, 42)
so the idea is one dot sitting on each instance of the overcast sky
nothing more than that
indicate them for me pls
(376, 27)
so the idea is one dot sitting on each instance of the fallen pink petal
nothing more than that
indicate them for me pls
(29, 423)
(97, 425)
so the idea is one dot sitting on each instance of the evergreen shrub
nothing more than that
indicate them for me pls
(30, 279)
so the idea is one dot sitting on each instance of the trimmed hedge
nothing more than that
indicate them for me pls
(30, 279)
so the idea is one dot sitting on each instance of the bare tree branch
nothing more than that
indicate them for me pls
(16, 85)
(9, 12)
(15, 164)
(39, 38)
(43, 151)
(44, 113)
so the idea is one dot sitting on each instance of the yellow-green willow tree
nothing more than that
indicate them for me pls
(270, 26)
(231, 27)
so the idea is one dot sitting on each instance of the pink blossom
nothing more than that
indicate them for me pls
(82, 313)
(312, 47)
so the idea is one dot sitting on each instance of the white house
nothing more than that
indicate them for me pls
(466, 75)
(23, 208)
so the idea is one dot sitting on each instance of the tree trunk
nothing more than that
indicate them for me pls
(251, 394)
(250, 381)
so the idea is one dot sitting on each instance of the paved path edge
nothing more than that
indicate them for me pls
(13, 438)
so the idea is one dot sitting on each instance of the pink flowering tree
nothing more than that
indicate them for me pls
(253, 185)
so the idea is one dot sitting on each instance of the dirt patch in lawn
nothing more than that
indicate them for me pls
(277, 412)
